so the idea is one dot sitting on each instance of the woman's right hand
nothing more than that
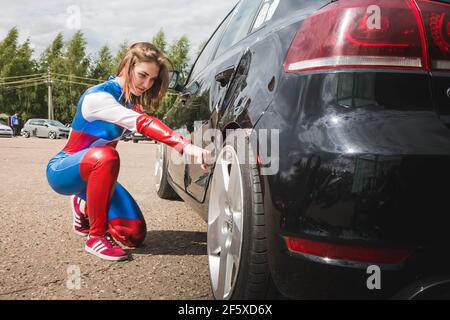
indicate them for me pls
(201, 156)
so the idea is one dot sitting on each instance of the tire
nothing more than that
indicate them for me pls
(250, 276)
(163, 188)
(26, 134)
(52, 135)
(135, 141)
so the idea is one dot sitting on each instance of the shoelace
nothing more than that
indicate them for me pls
(111, 241)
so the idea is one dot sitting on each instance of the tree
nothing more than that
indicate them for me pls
(123, 48)
(17, 93)
(23, 64)
(102, 66)
(76, 59)
(178, 54)
(67, 72)
(8, 49)
(160, 41)
(52, 60)
(52, 53)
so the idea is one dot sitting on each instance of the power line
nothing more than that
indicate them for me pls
(39, 75)
(77, 77)
(23, 86)
(73, 82)
(22, 81)
(29, 75)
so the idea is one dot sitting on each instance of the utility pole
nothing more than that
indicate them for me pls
(50, 98)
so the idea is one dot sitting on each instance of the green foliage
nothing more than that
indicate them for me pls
(178, 54)
(50, 55)
(159, 40)
(102, 66)
(23, 79)
(123, 48)
(66, 90)
(16, 60)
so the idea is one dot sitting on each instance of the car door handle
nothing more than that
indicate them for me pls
(224, 76)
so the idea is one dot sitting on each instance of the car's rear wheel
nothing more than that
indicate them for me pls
(52, 135)
(163, 188)
(237, 250)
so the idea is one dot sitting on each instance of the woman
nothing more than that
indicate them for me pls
(88, 166)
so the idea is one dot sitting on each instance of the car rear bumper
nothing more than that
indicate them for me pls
(299, 277)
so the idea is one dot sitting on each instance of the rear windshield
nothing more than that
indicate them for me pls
(288, 6)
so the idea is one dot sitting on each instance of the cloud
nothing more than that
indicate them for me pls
(112, 21)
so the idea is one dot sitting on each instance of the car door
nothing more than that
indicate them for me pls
(192, 107)
(33, 127)
(215, 82)
(41, 129)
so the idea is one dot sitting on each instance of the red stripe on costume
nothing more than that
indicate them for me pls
(78, 141)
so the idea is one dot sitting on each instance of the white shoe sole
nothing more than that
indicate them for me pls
(102, 256)
(79, 233)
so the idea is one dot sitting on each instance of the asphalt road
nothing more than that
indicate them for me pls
(41, 256)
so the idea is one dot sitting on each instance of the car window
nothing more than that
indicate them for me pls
(240, 24)
(285, 7)
(56, 123)
(207, 52)
(266, 13)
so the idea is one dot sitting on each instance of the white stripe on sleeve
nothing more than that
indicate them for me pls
(103, 106)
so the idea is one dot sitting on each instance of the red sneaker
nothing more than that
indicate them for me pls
(105, 247)
(80, 224)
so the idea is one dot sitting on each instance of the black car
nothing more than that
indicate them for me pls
(344, 109)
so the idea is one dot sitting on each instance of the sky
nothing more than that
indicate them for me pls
(112, 21)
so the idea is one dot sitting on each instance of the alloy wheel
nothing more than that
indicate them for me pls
(225, 223)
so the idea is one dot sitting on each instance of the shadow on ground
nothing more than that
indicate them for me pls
(171, 242)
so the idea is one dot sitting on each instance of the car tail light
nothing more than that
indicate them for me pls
(360, 33)
(436, 17)
(348, 253)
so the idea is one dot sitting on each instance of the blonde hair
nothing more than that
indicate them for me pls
(145, 52)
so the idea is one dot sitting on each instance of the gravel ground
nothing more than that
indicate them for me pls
(40, 254)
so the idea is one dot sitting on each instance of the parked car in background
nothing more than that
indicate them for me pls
(5, 131)
(44, 128)
(359, 93)
(135, 137)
